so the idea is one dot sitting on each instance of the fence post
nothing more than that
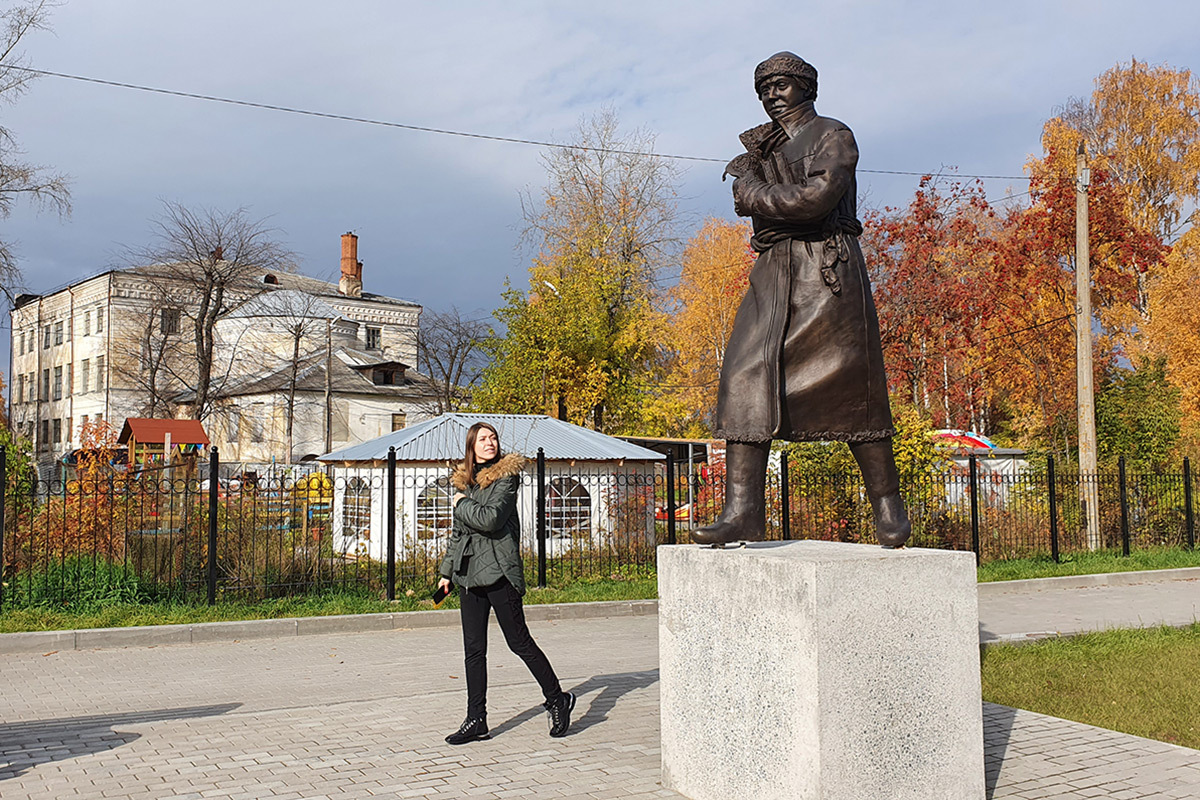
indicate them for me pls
(974, 488)
(214, 463)
(1189, 523)
(1053, 509)
(541, 517)
(391, 524)
(785, 503)
(1124, 506)
(670, 495)
(3, 510)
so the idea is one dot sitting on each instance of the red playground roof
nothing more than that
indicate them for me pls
(153, 431)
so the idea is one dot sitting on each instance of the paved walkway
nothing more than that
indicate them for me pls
(362, 715)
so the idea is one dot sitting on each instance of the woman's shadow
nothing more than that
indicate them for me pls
(610, 687)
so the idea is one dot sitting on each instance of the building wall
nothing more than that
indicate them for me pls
(59, 366)
(103, 332)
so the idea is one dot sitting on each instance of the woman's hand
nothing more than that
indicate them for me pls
(444, 583)
(457, 496)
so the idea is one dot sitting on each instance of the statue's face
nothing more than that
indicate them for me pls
(779, 94)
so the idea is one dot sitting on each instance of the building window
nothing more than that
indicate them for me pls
(169, 321)
(99, 373)
(87, 322)
(234, 424)
(356, 509)
(374, 338)
(56, 431)
(20, 387)
(384, 377)
(85, 377)
(399, 421)
(569, 507)
(47, 331)
(45, 440)
(67, 430)
(99, 319)
(435, 514)
(21, 351)
(82, 424)
(45, 392)
(57, 384)
(58, 333)
(32, 384)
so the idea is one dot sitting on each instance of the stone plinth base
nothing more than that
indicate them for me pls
(805, 670)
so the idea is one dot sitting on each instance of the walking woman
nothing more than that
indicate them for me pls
(484, 559)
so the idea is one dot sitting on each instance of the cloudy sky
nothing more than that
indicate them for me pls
(926, 86)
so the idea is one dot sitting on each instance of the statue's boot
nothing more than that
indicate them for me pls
(878, 466)
(744, 517)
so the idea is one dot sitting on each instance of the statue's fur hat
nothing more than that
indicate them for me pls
(788, 64)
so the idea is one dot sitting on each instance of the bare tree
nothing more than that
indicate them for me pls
(449, 351)
(17, 178)
(214, 261)
(303, 319)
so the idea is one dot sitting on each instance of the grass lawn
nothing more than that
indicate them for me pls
(1141, 682)
(623, 585)
(351, 602)
(1088, 564)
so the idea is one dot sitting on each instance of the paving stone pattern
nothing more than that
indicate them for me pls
(363, 715)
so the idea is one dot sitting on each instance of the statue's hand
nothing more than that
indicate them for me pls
(740, 191)
(742, 166)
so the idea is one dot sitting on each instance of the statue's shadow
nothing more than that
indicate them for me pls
(27, 745)
(609, 689)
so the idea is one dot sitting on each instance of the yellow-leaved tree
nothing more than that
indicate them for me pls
(582, 343)
(1142, 126)
(715, 276)
(1174, 298)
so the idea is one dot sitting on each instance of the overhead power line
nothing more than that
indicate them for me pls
(441, 131)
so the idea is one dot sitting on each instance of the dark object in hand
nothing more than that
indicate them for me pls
(439, 594)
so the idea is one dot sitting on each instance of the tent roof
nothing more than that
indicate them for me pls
(153, 431)
(443, 439)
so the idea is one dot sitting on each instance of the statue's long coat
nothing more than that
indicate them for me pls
(804, 361)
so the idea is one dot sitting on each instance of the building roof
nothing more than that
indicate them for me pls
(153, 431)
(443, 439)
(347, 378)
(316, 286)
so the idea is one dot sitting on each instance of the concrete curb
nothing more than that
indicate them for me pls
(154, 635)
(1087, 581)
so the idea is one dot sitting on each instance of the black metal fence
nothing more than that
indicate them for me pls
(195, 533)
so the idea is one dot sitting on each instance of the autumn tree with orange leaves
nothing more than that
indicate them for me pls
(714, 279)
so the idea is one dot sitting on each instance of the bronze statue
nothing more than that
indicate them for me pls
(804, 361)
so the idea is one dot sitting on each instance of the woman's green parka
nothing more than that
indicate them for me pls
(485, 545)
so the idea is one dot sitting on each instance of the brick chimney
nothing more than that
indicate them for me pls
(351, 282)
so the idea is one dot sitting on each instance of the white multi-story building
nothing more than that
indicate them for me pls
(116, 345)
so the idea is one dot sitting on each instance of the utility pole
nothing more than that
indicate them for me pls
(1089, 494)
(328, 385)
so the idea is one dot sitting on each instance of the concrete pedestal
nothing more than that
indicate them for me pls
(805, 670)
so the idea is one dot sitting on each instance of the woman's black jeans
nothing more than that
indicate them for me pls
(476, 605)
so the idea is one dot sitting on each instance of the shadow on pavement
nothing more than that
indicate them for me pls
(25, 745)
(997, 728)
(610, 688)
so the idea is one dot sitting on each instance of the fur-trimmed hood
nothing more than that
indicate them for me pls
(510, 464)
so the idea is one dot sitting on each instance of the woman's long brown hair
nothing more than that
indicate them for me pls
(472, 435)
